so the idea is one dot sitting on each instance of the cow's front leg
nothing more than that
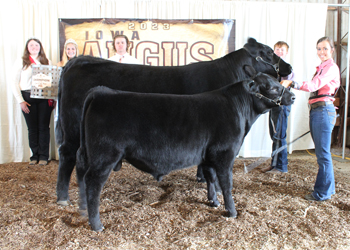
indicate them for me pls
(210, 176)
(224, 176)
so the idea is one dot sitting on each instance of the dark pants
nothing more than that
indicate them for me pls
(279, 116)
(38, 123)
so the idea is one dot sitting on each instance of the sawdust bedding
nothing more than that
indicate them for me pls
(141, 213)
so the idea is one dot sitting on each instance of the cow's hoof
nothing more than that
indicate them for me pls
(118, 166)
(98, 229)
(83, 213)
(201, 180)
(64, 203)
(214, 203)
(232, 214)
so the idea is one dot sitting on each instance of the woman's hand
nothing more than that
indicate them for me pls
(286, 83)
(24, 107)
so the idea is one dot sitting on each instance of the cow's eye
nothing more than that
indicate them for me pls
(271, 89)
(276, 89)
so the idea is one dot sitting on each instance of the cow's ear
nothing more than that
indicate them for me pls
(249, 70)
(252, 86)
(251, 41)
(252, 47)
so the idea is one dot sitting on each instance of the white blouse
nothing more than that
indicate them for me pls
(22, 79)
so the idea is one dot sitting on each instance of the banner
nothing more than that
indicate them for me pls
(153, 42)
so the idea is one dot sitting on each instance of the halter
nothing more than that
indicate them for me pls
(276, 66)
(276, 101)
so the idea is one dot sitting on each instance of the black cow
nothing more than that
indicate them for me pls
(84, 73)
(159, 133)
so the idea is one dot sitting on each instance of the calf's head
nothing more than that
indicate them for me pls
(269, 92)
(265, 60)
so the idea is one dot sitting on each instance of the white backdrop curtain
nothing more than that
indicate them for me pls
(299, 24)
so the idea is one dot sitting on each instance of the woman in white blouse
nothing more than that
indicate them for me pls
(37, 112)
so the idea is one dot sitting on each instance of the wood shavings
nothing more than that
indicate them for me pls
(141, 213)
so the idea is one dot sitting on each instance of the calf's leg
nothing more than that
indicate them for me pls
(200, 175)
(224, 176)
(223, 164)
(210, 176)
(81, 170)
(95, 178)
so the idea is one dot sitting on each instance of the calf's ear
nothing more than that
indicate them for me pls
(249, 70)
(252, 86)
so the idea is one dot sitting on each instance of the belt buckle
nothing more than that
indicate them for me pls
(318, 104)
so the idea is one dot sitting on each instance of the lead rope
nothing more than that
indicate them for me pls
(273, 126)
(283, 147)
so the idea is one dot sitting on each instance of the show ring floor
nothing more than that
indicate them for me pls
(141, 213)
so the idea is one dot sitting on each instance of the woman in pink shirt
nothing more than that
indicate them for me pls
(323, 87)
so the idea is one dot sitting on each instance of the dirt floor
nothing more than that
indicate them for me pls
(141, 213)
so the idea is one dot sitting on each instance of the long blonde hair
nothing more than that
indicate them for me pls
(65, 58)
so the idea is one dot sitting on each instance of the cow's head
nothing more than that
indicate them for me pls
(267, 90)
(265, 60)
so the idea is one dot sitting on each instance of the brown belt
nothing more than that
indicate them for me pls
(319, 104)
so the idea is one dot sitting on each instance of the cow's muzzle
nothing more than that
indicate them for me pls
(276, 101)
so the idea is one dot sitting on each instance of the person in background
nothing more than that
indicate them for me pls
(37, 112)
(121, 45)
(323, 87)
(70, 51)
(278, 122)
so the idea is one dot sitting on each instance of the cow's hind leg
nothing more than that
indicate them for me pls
(118, 166)
(95, 178)
(200, 175)
(210, 176)
(67, 160)
(81, 170)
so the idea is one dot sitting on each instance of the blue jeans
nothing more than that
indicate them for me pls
(322, 120)
(279, 116)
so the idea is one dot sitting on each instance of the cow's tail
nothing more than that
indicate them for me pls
(59, 135)
(58, 130)
(91, 95)
(89, 98)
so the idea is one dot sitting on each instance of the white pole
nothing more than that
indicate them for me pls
(346, 92)
(347, 81)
